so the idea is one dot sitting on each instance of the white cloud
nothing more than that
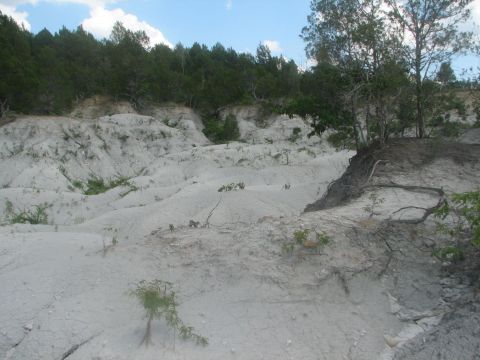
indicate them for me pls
(101, 21)
(20, 17)
(90, 3)
(273, 45)
(229, 4)
(15, 3)
(476, 15)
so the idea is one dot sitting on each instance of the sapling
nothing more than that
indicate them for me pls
(302, 238)
(159, 302)
(375, 201)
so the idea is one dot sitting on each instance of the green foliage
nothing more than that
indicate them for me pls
(221, 132)
(159, 301)
(77, 184)
(464, 213)
(375, 201)
(342, 139)
(450, 253)
(35, 216)
(48, 73)
(300, 236)
(449, 129)
(296, 134)
(445, 75)
(302, 239)
(232, 187)
(230, 128)
(95, 185)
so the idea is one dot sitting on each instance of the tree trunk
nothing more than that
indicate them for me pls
(380, 113)
(419, 90)
(147, 338)
(3, 108)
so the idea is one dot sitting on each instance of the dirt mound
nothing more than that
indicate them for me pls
(399, 156)
(99, 105)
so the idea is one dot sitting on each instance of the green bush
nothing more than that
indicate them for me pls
(232, 187)
(301, 239)
(464, 210)
(450, 253)
(95, 185)
(221, 132)
(230, 128)
(35, 216)
(296, 134)
(342, 139)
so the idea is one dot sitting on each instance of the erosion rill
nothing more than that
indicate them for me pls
(358, 276)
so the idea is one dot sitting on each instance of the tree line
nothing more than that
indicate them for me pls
(47, 73)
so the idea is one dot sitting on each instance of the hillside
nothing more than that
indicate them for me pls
(240, 279)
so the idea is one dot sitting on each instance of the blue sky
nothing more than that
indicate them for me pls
(241, 24)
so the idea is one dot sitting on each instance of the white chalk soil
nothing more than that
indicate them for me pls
(239, 277)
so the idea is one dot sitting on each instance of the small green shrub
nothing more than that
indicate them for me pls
(230, 128)
(300, 236)
(342, 140)
(375, 201)
(296, 134)
(35, 216)
(77, 184)
(159, 302)
(450, 253)
(302, 239)
(221, 132)
(464, 211)
(232, 187)
(95, 185)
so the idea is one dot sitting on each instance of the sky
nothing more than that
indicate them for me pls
(240, 24)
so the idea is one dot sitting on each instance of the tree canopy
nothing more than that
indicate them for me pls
(386, 51)
(48, 73)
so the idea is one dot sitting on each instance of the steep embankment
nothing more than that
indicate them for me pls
(242, 281)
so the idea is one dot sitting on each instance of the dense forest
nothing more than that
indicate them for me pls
(368, 83)
(47, 73)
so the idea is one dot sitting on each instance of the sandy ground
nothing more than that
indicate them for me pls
(65, 285)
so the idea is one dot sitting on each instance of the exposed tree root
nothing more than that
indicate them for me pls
(415, 188)
(373, 170)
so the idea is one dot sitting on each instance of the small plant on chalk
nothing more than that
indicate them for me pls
(35, 216)
(375, 201)
(232, 187)
(303, 239)
(159, 302)
(96, 185)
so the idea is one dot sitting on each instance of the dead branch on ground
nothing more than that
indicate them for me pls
(207, 224)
